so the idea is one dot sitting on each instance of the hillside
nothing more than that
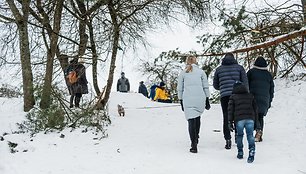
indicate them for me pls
(152, 139)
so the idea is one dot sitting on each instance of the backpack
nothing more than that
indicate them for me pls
(72, 77)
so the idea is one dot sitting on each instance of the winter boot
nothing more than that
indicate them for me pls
(194, 148)
(251, 156)
(240, 154)
(258, 136)
(228, 144)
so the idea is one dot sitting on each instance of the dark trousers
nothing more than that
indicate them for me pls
(224, 105)
(194, 129)
(77, 98)
(261, 120)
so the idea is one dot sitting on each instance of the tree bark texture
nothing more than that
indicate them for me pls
(25, 56)
(304, 10)
(47, 87)
(116, 36)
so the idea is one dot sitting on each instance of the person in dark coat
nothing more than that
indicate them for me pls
(80, 86)
(261, 85)
(143, 89)
(123, 84)
(242, 110)
(224, 78)
(153, 91)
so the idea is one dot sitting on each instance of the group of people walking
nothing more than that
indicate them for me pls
(245, 97)
(245, 100)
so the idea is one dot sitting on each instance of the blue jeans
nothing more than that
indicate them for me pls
(248, 124)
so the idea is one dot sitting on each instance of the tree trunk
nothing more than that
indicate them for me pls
(25, 56)
(116, 36)
(46, 93)
(94, 59)
(304, 10)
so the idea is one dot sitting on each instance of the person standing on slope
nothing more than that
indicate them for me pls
(79, 87)
(123, 84)
(224, 78)
(261, 85)
(143, 89)
(193, 93)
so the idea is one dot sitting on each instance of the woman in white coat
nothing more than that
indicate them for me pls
(193, 92)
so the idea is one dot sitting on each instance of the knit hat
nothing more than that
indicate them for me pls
(162, 84)
(260, 62)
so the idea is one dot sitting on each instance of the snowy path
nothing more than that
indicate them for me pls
(155, 141)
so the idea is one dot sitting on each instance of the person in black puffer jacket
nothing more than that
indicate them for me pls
(242, 110)
(224, 79)
(261, 85)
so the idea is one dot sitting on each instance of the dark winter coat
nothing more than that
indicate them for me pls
(123, 85)
(242, 105)
(227, 74)
(261, 85)
(153, 92)
(143, 90)
(80, 87)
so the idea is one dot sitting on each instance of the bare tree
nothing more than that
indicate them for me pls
(129, 21)
(21, 20)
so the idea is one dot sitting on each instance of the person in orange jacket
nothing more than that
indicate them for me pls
(161, 95)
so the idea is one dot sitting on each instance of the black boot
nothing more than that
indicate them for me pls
(194, 148)
(228, 144)
(240, 154)
(251, 156)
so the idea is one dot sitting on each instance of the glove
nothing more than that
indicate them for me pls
(207, 105)
(231, 126)
(181, 102)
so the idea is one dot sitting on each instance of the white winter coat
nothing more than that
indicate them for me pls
(193, 89)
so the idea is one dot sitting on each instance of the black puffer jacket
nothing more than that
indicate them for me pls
(242, 105)
(261, 85)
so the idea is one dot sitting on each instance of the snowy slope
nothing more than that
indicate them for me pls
(152, 139)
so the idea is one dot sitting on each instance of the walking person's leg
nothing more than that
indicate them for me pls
(226, 131)
(239, 127)
(249, 127)
(258, 135)
(192, 134)
(198, 126)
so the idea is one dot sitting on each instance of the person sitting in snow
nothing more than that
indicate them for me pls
(161, 95)
(242, 111)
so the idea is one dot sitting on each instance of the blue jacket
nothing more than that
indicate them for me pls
(193, 89)
(227, 74)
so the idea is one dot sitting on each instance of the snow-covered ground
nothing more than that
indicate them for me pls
(153, 139)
